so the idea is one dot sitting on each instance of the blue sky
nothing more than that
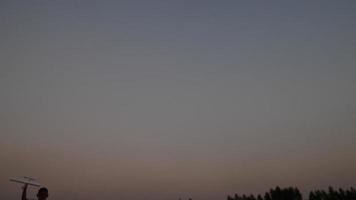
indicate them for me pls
(169, 99)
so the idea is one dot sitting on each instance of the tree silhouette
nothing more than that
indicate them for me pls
(293, 193)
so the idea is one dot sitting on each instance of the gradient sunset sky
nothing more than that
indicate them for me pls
(141, 100)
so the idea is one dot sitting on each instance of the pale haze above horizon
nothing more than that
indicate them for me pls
(137, 100)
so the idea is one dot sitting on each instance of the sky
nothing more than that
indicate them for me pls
(138, 100)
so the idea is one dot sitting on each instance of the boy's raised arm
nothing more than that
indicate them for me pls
(24, 191)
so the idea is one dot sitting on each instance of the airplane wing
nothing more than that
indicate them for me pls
(26, 180)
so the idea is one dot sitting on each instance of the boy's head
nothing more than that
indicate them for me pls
(42, 193)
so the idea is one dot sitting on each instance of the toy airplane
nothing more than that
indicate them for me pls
(26, 180)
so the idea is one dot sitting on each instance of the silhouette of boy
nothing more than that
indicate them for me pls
(42, 193)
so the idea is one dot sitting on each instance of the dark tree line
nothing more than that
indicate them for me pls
(292, 193)
(333, 194)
